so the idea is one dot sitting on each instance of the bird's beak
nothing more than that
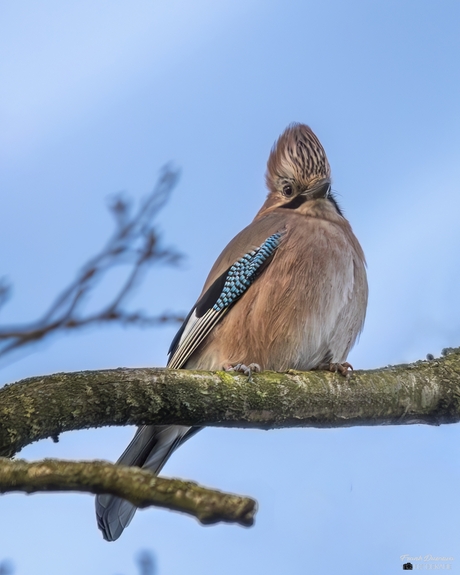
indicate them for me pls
(320, 189)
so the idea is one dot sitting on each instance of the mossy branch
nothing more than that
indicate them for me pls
(40, 407)
(141, 487)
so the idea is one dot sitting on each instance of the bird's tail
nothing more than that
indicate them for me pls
(150, 449)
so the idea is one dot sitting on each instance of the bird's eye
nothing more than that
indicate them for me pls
(288, 191)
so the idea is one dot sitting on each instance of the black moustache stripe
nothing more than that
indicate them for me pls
(313, 194)
(295, 202)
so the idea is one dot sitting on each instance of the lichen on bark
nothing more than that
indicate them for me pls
(40, 407)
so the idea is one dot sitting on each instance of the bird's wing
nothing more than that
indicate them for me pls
(235, 270)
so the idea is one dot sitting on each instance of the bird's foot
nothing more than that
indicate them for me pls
(246, 369)
(344, 368)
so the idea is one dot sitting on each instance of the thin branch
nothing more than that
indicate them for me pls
(136, 243)
(5, 293)
(424, 392)
(40, 407)
(142, 488)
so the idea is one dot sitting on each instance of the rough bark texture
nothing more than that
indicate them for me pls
(40, 407)
(140, 487)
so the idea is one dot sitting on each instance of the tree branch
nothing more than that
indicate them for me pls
(135, 244)
(142, 488)
(40, 407)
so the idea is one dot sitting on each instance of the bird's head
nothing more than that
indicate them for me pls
(297, 169)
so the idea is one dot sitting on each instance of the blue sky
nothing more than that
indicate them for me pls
(94, 98)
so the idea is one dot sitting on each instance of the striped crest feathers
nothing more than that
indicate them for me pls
(297, 156)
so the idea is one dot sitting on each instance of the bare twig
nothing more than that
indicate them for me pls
(146, 563)
(142, 488)
(6, 568)
(135, 242)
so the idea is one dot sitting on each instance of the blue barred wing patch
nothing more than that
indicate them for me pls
(237, 280)
(243, 272)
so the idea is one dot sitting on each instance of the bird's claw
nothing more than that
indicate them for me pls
(342, 368)
(246, 369)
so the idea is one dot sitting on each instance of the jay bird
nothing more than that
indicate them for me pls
(288, 292)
